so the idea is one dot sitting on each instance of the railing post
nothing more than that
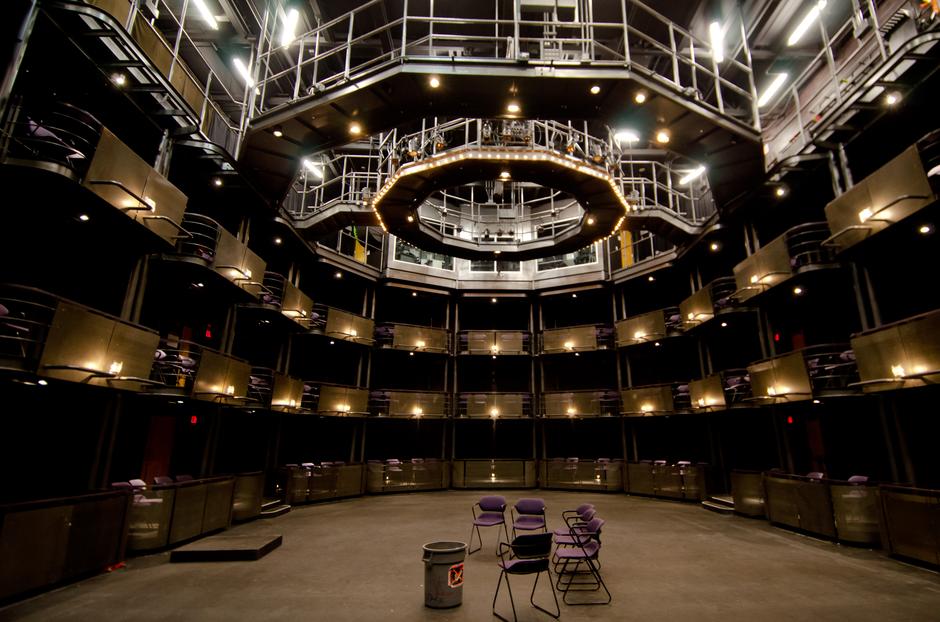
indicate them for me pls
(300, 60)
(404, 29)
(799, 115)
(830, 60)
(675, 56)
(316, 60)
(876, 27)
(755, 111)
(349, 36)
(176, 44)
(626, 33)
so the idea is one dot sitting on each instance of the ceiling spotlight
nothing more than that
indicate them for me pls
(590, 220)
(42, 382)
(817, 401)
(595, 90)
(574, 295)
(414, 293)
(199, 285)
(656, 344)
(84, 217)
(355, 129)
(338, 275)
(217, 181)
(332, 342)
(411, 218)
(892, 98)
(925, 229)
(651, 278)
(513, 108)
(497, 252)
(780, 191)
(434, 82)
(714, 247)
(493, 300)
(277, 241)
(277, 131)
(504, 175)
(662, 137)
(639, 97)
(626, 136)
(724, 324)
(119, 79)
(797, 291)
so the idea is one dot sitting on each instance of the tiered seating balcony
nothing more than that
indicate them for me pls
(583, 403)
(721, 390)
(335, 399)
(280, 294)
(406, 476)
(188, 369)
(412, 338)
(707, 302)
(275, 391)
(821, 370)
(413, 404)
(649, 327)
(338, 324)
(498, 474)
(656, 399)
(577, 474)
(586, 338)
(494, 405)
(494, 342)
(212, 246)
(900, 355)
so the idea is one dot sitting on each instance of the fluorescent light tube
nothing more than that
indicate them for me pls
(290, 27)
(771, 90)
(691, 175)
(806, 22)
(243, 72)
(206, 14)
(718, 41)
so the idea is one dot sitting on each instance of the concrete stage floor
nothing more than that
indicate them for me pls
(360, 560)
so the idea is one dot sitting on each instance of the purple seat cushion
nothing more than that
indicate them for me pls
(858, 479)
(589, 549)
(493, 503)
(529, 522)
(488, 519)
(524, 566)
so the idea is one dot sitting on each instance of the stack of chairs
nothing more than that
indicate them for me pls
(576, 558)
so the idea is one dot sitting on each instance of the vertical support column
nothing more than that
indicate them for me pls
(176, 43)
(626, 33)
(755, 110)
(16, 59)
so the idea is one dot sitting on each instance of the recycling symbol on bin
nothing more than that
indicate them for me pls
(455, 575)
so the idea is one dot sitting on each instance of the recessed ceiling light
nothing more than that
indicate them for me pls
(656, 343)
(797, 290)
(277, 241)
(925, 229)
(892, 98)
(595, 90)
(574, 295)
(42, 382)
(504, 175)
(338, 275)
(817, 401)
(639, 97)
(411, 218)
(119, 79)
(492, 300)
(355, 129)
(724, 324)
(714, 246)
(434, 82)
(217, 182)
(414, 293)
(513, 108)
(780, 191)
(651, 278)
(497, 252)
(590, 220)
(277, 131)
(84, 217)
(662, 137)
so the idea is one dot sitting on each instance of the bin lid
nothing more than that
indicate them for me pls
(445, 547)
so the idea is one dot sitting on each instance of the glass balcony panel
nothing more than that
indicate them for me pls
(571, 339)
(900, 355)
(288, 393)
(645, 327)
(648, 400)
(747, 490)
(768, 266)
(697, 308)
(295, 304)
(781, 379)
(414, 404)
(236, 262)
(115, 163)
(495, 405)
(221, 378)
(578, 403)
(345, 325)
(343, 400)
(85, 346)
(420, 338)
(493, 474)
(707, 392)
(910, 522)
(582, 475)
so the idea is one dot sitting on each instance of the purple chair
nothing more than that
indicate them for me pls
(492, 514)
(816, 475)
(577, 512)
(858, 479)
(528, 555)
(578, 534)
(578, 567)
(162, 480)
(576, 521)
(528, 515)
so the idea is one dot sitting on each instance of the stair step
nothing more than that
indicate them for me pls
(275, 511)
(271, 503)
(717, 507)
(726, 500)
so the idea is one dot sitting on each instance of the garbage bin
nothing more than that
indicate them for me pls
(443, 574)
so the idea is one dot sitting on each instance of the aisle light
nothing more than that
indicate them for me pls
(691, 175)
(772, 89)
(718, 41)
(243, 72)
(290, 27)
(806, 22)
(206, 14)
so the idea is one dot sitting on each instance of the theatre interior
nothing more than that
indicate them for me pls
(402, 309)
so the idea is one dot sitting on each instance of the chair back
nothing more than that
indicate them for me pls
(587, 514)
(532, 546)
(493, 503)
(530, 506)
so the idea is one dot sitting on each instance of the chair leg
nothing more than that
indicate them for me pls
(598, 584)
(557, 613)
(511, 602)
(505, 531)
(472, 550)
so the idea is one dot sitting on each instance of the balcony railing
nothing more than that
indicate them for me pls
(802, 374)
(584, 403)
(656, 399)
(494, 405)
(222, 252)
(704, 304)
(580, 474)
(410, 404)
(281, 294)
(393, 475)
(338, 324)
(275, 391)
(648, 327)
(494, 342)
(900, 188)
(900, 355)
(576, 339)
(721, 390)
(500, 474)
(334, 399)
(413, 338)
(188, 369)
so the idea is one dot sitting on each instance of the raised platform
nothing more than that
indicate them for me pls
(227, 548)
